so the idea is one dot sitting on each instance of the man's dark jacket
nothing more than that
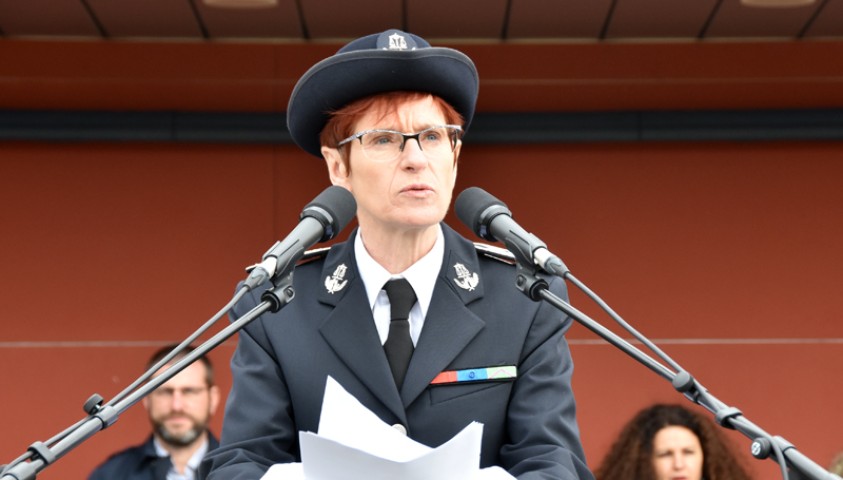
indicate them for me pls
(140, 462)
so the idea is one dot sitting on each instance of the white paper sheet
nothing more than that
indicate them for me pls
(294, 471)
(354, 444)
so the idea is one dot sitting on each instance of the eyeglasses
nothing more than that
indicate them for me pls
(384, 145)
(188, 393)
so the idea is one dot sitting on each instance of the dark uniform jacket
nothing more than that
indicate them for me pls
(140, 462)
(477, 319)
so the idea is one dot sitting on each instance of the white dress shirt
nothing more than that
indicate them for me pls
(192, 464)
(421, 275)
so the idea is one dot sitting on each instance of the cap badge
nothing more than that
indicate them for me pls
(397, 42)
(336, 281)
(465, 279)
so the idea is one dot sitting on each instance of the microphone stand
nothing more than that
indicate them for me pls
(43, 454)
(320, 220)
(763, 444)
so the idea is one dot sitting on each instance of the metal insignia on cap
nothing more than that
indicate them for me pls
(465, 279)
(336, 281)
(395, 40)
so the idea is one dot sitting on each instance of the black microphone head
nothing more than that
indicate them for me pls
(476, 208)
(333, 208)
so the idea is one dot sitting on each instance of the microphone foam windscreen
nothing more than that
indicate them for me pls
(471, 205)
(340, 205)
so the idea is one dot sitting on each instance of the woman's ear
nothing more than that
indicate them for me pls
(337, 170)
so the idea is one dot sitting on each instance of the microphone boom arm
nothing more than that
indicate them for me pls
(763, 445)
(42, 455)
(320, 220)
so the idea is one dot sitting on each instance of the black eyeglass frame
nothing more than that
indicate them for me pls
(405, 136)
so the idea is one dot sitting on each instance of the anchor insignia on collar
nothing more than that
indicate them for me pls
(465, 279)
(336, 281)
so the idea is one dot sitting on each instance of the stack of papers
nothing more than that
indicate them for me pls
(354, 444)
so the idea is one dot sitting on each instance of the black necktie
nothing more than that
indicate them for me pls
(399, 345)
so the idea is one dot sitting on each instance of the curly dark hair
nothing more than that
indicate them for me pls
(630, 457)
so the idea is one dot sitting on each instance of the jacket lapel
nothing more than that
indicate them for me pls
(450, 325)
(350, 328)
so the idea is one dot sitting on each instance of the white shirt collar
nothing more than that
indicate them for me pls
(421, 275)
(192, 464)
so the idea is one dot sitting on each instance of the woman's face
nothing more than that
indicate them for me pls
(413, 191)
(677, 454)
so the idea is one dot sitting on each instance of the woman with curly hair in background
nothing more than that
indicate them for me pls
(670, 442)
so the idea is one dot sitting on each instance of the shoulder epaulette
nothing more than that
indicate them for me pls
(490, 251)
(312, 255)
(497, 253)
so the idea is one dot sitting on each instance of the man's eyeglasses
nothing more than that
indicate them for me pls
(384, 145)
(188, 393)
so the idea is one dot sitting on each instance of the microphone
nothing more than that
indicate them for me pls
(490, 219)
(322, 219)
